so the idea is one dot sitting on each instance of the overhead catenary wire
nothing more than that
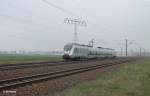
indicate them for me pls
(28, 21)
(69, 12)
(57, 7)
(61, 9)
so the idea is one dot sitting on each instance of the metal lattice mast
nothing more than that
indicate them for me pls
(76, 22)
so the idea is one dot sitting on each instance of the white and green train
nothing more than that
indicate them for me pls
(78, 51)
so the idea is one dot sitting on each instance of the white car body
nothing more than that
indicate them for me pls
(78, 51)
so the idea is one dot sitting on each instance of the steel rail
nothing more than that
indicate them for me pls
(15, 82)
(39, 64)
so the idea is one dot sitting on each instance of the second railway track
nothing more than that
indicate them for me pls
(39, 64)
(31, 65)
(15, 82)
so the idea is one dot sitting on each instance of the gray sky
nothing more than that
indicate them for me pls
(35, 25)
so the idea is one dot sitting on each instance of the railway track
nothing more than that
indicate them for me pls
(39, 64)
(16, 82)
(30, 65)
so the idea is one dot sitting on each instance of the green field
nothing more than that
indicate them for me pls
(11, 58)
(130, 80)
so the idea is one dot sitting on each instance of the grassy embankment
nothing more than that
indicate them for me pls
(10, 58)
(130, 80)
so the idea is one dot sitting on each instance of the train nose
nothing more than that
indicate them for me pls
(66, 56)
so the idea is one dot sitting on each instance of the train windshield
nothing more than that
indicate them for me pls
(68, 47)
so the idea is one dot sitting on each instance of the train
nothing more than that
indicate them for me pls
(74, 51)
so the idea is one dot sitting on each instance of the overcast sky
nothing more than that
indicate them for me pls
(39, 25)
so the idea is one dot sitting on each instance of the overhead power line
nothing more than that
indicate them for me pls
(70, 13)
(60, 8)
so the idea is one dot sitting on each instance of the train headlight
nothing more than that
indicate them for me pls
(67, 52)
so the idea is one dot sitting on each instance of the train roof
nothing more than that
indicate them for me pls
(79, 44)
(105, 48)
(88, 46)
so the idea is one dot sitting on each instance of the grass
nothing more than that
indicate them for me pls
(130, 80)
(11, 58)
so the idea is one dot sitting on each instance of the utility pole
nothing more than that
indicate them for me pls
(76, 22)
(92, 41)
(131, 42)
(144, 52)
(140, 51)
(75, 33)
(126, 47)
(121, 51)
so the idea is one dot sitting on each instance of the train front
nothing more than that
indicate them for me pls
(67, 52)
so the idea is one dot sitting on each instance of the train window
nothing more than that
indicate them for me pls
(75, 50)
(82, 50)
(68, 47)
